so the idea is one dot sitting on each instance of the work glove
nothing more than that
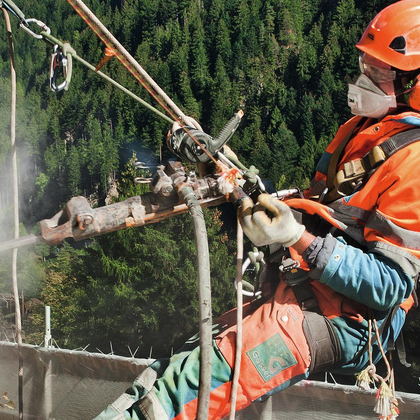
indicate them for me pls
(270, 221)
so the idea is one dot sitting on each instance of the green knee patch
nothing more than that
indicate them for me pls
(271, 357)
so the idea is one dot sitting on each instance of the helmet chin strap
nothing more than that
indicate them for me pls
(403, 92)
(399, 87)
(400, 90)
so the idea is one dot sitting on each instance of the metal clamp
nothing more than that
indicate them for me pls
(42, 25)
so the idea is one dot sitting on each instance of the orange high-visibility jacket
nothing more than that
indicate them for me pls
(383, 216)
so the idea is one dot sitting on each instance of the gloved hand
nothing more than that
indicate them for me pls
(269, 221)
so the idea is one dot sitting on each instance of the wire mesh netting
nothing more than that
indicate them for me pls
(66, 385)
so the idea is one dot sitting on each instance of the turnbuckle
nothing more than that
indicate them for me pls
(61, 58)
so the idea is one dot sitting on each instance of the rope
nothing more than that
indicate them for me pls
(70, 50)
(115, 48)
(136, 70)
(18, 320)
(126, 59)
(386, 402)
(239, 315)
(371, 368)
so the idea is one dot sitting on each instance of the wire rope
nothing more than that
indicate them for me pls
(239, 315)
(51, 39)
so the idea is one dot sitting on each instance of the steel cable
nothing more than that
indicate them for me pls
(51, 39)
(239, 315)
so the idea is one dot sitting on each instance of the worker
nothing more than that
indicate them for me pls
(348, 252)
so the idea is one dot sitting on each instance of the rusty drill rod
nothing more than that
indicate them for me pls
(79, 221)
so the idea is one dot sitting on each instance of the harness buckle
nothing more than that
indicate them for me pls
(376, 156)
(288, 264)
(349, 177)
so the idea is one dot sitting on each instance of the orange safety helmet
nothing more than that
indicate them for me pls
(393, 36)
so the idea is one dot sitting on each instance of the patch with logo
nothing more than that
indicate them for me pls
(271, 357)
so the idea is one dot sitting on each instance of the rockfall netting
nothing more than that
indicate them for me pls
(65, 385)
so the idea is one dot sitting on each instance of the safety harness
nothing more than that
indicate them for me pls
(319, 331)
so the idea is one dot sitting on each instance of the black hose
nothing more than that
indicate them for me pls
(204, 296)
(14, 9)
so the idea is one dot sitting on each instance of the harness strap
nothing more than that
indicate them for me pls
(398, 344)
(335, 158)
(401, 352)
(381, 329)
(355, 172)
(319, 331)
(303, 291)
(323, 342)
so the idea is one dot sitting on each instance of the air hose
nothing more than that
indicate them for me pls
(204, 297)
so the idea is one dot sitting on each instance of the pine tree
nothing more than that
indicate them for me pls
(200, 77)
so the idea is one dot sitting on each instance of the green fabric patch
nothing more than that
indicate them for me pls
(271, 357)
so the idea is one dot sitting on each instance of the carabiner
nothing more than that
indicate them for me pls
(60, 58)
(42, 25)
(252, 292)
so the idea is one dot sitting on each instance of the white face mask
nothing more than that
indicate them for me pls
(366, 99)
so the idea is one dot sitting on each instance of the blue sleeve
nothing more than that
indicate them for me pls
(367, 278)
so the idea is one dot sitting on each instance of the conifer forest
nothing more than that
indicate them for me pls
(285, 63)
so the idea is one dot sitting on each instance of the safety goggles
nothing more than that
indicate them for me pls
(377, 72)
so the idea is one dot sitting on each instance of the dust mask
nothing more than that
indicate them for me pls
(366, 99)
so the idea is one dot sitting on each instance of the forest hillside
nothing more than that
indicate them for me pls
(286, 64)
